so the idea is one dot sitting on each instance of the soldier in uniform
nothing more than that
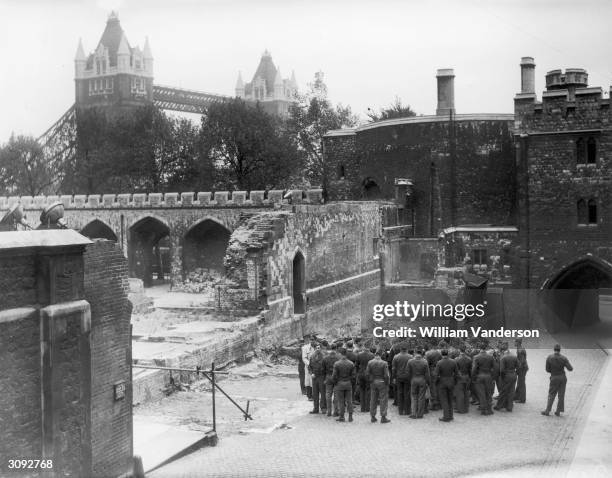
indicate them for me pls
(377, 372)
(508, 370)
(328, 370)
(418, 370)
(432, 356)
(362, 379)
(521, 390)
(401, 379)
(357, 349)
(462, 389)
(482, 372)
(445, 377)
(342, 377)
(307, 350)
(352, 356)
(555, 366)
(318, 380)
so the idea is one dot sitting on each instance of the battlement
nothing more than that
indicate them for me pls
(217, 199)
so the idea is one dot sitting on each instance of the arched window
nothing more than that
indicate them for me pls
(341, 171)
(591, 151)
(592, 211)
(582, 211)
(580, 151)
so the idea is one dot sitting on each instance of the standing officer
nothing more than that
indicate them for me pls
(482, 371)
(445, 376)
(433, 356)
(328, 370)
(401, 378)
(318, 380)
(362, 379)
(377, 372)
(462, 389)
(418, 370)
(555, 366)
(521, 389)
(508, 370)
(307, 351)
(342, 376)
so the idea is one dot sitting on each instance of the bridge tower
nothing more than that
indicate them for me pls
(115, 74)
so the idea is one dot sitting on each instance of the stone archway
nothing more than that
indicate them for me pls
(370, 189)
(299, 283)
(572, 294)
(96, 229)
(149, 250)
(204, 248)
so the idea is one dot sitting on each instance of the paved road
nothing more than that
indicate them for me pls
(522, 443)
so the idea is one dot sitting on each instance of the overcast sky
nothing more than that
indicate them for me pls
(370, 51)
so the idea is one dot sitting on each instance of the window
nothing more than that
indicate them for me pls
(591, 151)
(580, 156)
(582, 211)
(479, 256)
(341, 171)
(592, 211)
(138, 86)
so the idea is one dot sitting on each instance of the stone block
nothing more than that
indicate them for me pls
(275, 196)
(296, 196)
(139, 199)
(221, 197)
(79, 200)
(123, 200)
(108, 200)
(66, 199)
(204, 198)
(257, 197)
(93, 200)
(26, 201)
(314, 196)
(187, 199)
(238, 198)
(171, 199)
(52, 199)
(155, 199)
(12, 200)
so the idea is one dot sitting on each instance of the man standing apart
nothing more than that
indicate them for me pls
(445, 375)
(342, 376)
(307, 351)
(521, 389)
(555, 366)
(377, 372)
(418, 370)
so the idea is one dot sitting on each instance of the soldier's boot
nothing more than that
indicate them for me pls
(384, 420)
(350, 417)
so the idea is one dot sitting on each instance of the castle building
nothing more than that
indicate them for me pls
(268, 87)
(115, 73)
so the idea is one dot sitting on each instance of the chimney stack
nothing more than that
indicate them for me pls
(446, 92)
(527, 75)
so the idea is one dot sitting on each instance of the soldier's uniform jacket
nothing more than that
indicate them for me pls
(328, 364)
(352, 356)
(446, 368)
(464, 364)
(377, 369)
(521, 355)
(433, 356)
(556, 364)
(508, 364)
(316, 364)
(362, 361)
(399, 367)
(483, 363)
(418, 367)
(344, 370)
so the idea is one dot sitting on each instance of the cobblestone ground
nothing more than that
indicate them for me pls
(522, 443)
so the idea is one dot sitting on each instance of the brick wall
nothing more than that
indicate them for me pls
(106, 289)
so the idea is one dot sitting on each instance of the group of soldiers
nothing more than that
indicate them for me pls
(419, 377)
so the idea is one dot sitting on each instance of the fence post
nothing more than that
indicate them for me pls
(212, 368)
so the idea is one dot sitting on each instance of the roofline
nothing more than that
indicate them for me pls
(450, 230)
(423, 119)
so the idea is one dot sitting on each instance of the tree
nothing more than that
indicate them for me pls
(24, 170)
(395, 110)
(248, 147)
(310, 118)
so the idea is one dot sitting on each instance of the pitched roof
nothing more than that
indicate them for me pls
(266, 70)
(111, 37)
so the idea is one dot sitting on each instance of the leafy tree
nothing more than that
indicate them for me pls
(395, 110)
(24, 170)
(310, 118)
(248, 147)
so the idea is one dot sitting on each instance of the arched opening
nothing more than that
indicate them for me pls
(370, 189)
(203, 251)
(96, 229)
(591, 151)
(149, 251)
(592, 211)
(580, 151)
(299, 283)
(572, 295)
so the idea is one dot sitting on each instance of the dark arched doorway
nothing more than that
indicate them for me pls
(371, 190)
(299, 283)
(572, 294)
(204, 249)
(149, 250)
(96, 229)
